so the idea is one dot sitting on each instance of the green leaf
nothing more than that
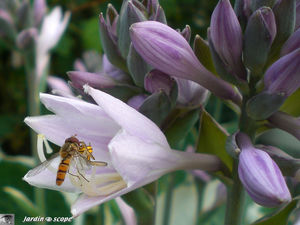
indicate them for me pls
(291, 105)
(21, 201)
(280, 217)
(212, 139)
(176, 200)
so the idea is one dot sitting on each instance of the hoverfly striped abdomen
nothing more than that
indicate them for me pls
(63, 169)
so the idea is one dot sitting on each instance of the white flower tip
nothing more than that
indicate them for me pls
(87, 89)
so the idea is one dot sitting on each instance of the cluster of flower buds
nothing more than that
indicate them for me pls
(28, 27)
(127, 75)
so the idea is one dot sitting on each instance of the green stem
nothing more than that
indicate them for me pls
(168, 200)
(236, 196)
(235, 200)
(34, 110)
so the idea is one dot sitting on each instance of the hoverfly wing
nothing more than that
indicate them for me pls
(41, 167)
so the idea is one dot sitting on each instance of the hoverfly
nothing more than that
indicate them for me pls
(74, 154)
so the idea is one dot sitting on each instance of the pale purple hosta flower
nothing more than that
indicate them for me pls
(283, 77)
(135, 149)
(190, 93)
(291, 44)
(227, 39)
(260, 175)
(113, 71)
(96, 80)
(59, 87)
(166, 50)
(136, 101)
(52, 28)
(286, 122)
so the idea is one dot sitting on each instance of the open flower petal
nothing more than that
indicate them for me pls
(45, 177)
(128, 118)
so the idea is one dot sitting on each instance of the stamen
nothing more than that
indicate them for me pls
(101, 184)
(40, 147)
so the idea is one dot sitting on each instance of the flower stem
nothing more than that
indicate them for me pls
(34, 110)
(235, 200)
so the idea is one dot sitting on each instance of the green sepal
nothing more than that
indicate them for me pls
(263, 105)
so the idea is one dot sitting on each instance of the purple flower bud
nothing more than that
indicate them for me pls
(283, 76)
(112, 19)
(243, 10)
(136, 101)
(6, 24)
(191, 93)
(291, 44)
(39, 7)
(260, 175)
(109, 44)
(226, 36)
(259, 35)
(129, 14)
(99, 81)
(159, 15)
(26, 39)
(156, 81)
(286, 122)
(166, 50)
(186, 33)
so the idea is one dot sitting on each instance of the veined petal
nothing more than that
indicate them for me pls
(59, 84)
(44, 177)
(141, 162)
(84, 202)
(167, 50)
(79, 79)
(56, 129)
(128, 118)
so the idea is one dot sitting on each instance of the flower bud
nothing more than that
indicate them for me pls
(156, 81)
(112, 19)
(291, 44)
(190, 93)
(79, 79)
(259, 35)
(159, 15)
(39, 7)
(260, 175)
(285, 14)
(286, 122)
(129, 14)
(109, 45)
(256, 4)
(227, 39)
(242, 10)
(23, 14)
(186, 33)
(166, 50)
(7, 28)
(27, 38)
(283, 76)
